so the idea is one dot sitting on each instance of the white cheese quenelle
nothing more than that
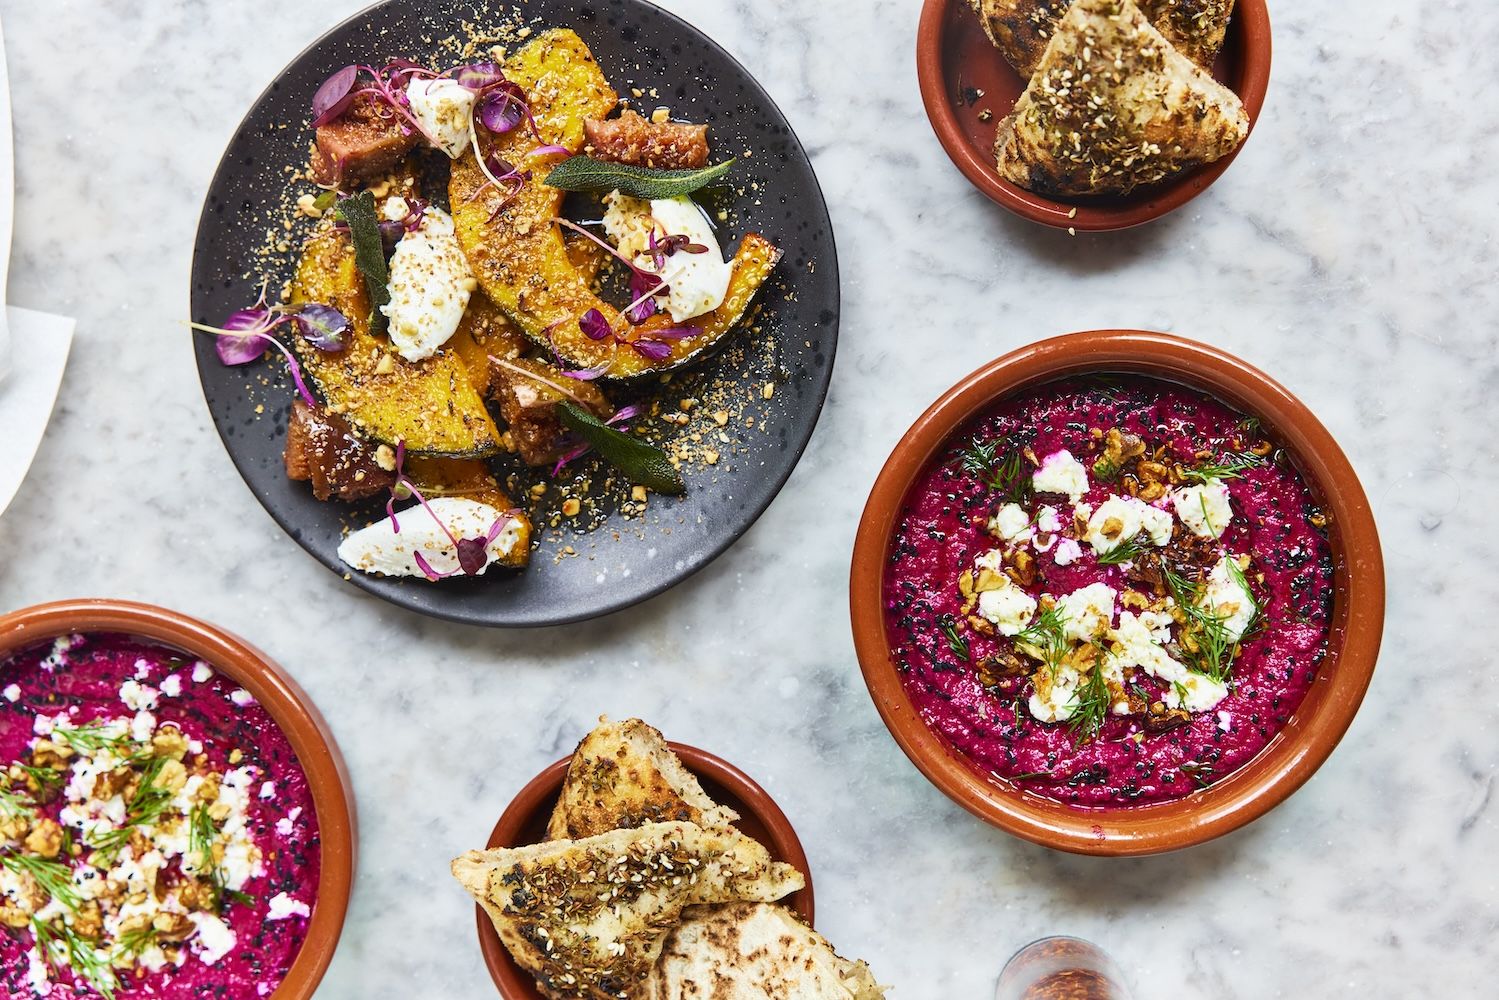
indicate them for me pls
(698, 282)
(445, 110)
(430, 284)
(382, 550)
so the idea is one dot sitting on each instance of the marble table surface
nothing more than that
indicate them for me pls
(1350, 251)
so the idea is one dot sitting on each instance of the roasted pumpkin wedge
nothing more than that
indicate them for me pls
(431, 405)
(484, 333)
(470, 479)
(517, 251)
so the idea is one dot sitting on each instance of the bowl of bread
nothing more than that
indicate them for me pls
(638, 869)
(1093, 115)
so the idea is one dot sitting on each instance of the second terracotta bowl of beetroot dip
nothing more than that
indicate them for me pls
(68, 671)
(524, 822)
(1117, 593)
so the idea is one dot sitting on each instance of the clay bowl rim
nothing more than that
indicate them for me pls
(1249, 33)
(535, 802)
(288, 705)
(1293, 755)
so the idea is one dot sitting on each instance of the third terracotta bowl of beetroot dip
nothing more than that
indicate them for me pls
(175, 818)
(1117, 593)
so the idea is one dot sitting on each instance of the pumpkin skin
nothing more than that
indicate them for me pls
(520, 257)
(431, 405)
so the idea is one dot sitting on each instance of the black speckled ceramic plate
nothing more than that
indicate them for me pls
(790, 344)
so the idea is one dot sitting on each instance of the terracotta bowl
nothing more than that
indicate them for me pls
(955, 60)
(287, 704)
(525, 821)
(1292, 756)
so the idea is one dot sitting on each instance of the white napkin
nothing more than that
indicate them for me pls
(39, 343)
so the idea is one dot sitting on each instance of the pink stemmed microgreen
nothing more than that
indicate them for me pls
(473, 553)
(247, 334)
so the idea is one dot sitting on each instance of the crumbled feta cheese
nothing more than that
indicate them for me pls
(1010, 522)
(283, 906)
(1135, 646)
(1061, 473)
(142, 669)
(137, 696)
(268, 790)
(1047, 520)
(1054, 697)
(1204, 509)
(1068, 552)
(201, 672)
(172, 686)
(1226, 598)
(430, 285)
(286, 824)
(1087, 613)
(445, 108)
(241, 697)
(12, 692)
(142, 726)
(1120, 519)
(1225, 721)
(213, 940)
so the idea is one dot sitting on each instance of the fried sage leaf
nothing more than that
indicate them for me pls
(369, 252)
(641, 463)
(584, 173)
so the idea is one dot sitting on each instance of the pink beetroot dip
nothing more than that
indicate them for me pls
(942, 528)
(82, 675)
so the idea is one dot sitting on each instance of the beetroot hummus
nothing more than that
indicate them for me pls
(1109, 591)
(157, 835)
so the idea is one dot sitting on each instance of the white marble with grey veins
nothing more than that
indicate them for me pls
(1350, 251)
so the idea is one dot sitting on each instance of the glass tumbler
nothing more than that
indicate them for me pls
(1061, 968)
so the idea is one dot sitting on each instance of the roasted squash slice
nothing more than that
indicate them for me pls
(431, 405)
(484, 333)
(520, 258)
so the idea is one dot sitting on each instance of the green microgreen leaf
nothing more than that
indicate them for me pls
(369, 252)
(643, 464)
(584, 173)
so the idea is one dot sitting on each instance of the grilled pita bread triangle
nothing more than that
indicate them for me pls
(754, 951)
(1020, 29)
(1113, 107)
(587, 918)
(624, 774)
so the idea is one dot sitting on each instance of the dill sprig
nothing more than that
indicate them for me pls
(146, 806)
(1005, 473)
(1208, 630)
(1230, 466)
(62, 944)
(1126, 551)
(45, 777)
(94, 738)
(54, 877)
(14, 804)
(134, 943)
(1046, 635)
(1093, 704)
(955, 640)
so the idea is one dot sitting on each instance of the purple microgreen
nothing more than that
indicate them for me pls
(477, 76)
(677, 332)
(644, 288)
(595, 326)
(501, 109)
(570, 456)
(427, 570)
(552, 150)
(334, 96)
(656, 350)
(589, 374)
(240, 340)
(625, 413)
(607, 247)
(473, 555)
(322, 326)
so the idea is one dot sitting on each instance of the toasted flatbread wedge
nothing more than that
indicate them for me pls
(1114, 107)
(623, 774)
(587, 918)
(754, 951)
(1021, 29)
